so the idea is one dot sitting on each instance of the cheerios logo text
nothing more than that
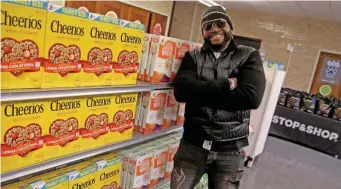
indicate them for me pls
(57, 27)
(56, 105)
(84, 184)
(130, 39)
(13, 110)
(96, 33)
(105, 176)
(22, 22)
(91, 102)
(124, 100)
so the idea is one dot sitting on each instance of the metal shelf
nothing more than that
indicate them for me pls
(163, 184)
(33, 94)
(137, 138)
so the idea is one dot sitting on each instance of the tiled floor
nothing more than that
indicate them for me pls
(284, 165)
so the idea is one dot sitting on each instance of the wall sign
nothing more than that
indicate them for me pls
(331, 71)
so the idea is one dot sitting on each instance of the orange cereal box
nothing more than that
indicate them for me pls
(66, 46)
(128, 56)
(22, 43)
(65, 118)
(160, 59)
(103, 36)
(138, 114)
(172, 149)
(123, 116)
(140, 167)
(94, 129)
(158, 170)
(22, 134)
(171, 110)
(196, 45)
(154, 112)
(181, 48)
(144, 59)
(181, 114)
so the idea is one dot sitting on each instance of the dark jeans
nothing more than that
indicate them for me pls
(224, 169)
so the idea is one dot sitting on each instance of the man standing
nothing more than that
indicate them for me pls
(220, 83)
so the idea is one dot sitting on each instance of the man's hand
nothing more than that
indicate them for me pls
(235, 82)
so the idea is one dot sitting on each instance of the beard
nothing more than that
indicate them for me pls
(217, 47)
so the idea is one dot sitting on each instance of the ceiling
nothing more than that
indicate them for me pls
(324, 10)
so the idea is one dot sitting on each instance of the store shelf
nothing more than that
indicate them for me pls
(137, 138)
(33, 94)
(163, 184)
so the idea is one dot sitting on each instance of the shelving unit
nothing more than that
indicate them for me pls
(32, 94)
(55, 163)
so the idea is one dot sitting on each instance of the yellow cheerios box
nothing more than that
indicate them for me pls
(17, 185)
(65, 47)
(22, 134)
(103, 40)
(82, 175)
(109, 171)
(50, 180)
(123, 117)
(97, 114)
(62, 125)
(22, 43)
(128, 55)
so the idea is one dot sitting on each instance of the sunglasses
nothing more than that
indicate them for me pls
(208, 25)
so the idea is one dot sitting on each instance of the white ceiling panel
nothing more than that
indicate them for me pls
(289, 8)
(238, 5)
(336, 8)
(317, 9)
(263, 6)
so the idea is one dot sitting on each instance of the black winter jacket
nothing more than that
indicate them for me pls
(213, 111)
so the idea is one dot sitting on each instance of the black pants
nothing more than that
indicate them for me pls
(224, 169)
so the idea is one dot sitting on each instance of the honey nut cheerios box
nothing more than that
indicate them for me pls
(160, 60)
(153, 110)
(139, 170)
(181, 114)
(181, 48)
(95, 126)
(171, 110)
(103, 42)
(108, 171)
(128, 54)
(63, 124)
(52, 180)
(16, 185)
(122, 124)
(22, 134)
(22, 43)
(82, 175)
(144, 57)
(65, 48)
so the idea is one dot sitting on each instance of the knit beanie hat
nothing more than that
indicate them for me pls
(216, 12)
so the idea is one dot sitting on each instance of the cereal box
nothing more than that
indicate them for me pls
(160, 58)
(153, 113)
(82, 175)
(138, 115)
(171, 110)
(128, 57)
(158, 170)
(23, 130)
(123, 118)
(52, 180)
(139, 170)
(65, 118)
(109, 171)
(103, 37)
(17, 185)
(144, 59)
(94, 128)
(181, 114)
(196, 45)
(66, 46)
(181, 48)
(22, 43)
(172, 149)
(143, 112)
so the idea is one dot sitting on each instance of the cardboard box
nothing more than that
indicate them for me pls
(128, 57)
(103, 39)
(144, 60)
(52, 180)
(66, 46)
(22, 42)
(181, 114)
(160, 58)
(23, 128)
(171, 110)
(139, 170)
(159, 165)
(138, 114)
(181, 48)
(172, 149)
(63, 121)
(82, 175)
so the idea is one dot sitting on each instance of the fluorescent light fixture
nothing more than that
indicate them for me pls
(210, 3)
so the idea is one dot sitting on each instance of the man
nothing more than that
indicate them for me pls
(220, 83)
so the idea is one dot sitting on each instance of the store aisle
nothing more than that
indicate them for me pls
(284, 165)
